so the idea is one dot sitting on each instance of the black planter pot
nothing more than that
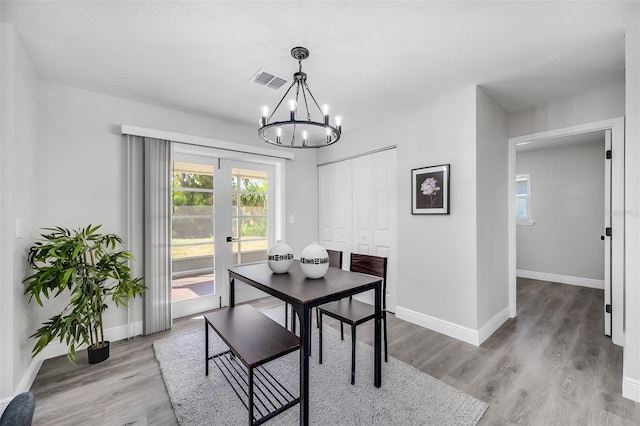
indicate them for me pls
(98, 355)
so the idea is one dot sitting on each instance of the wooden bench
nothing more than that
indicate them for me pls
(254, 339)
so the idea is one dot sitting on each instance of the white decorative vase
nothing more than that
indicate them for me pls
(314, 261)
(280, 257)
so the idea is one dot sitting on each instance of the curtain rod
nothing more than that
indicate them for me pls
(202, 141)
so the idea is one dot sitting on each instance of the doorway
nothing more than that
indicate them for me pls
(223, 214)
(613, 254)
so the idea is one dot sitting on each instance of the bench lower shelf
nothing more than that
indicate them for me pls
(270, 397)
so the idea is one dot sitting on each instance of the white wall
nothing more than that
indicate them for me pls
(596, 105)
(18, 185)
(72, 172)
(86, 169)
(452, 269)
(436, 254)
(567, 201)
(492, 207)
(631, 370)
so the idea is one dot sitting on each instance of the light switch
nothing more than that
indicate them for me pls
(292, 219)
(19, 228)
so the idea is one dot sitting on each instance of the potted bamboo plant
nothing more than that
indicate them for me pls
(86, 265)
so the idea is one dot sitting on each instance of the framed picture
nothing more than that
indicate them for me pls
(430, 190)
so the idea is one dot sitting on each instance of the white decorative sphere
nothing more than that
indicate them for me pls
(314, 261)
(280, 257)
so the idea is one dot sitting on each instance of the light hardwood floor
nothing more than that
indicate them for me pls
(550, 365)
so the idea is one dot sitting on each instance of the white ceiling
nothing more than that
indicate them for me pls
(368, 59)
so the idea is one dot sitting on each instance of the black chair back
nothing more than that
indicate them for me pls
(335, 258)
(372, 265)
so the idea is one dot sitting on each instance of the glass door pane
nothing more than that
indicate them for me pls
(250, 215)
(192, 235)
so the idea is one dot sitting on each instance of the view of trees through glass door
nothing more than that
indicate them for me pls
(220, 217)
(192, 231)
(250, 221)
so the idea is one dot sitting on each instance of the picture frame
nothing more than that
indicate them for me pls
(430, 192)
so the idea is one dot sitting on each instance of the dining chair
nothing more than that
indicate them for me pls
(335, 260)
(354, 312)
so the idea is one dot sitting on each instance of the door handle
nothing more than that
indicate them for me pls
(230, 239)
(602, 237)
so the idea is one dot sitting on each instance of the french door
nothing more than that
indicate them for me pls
(222, 215)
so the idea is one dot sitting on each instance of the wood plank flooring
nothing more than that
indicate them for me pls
(549, 366)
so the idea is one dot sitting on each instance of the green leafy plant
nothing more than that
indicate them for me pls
(87, 264)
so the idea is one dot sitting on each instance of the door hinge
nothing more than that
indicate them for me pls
(607, 232)
(607, 308)
(608, 154)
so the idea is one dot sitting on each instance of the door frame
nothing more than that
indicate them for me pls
(616, 125)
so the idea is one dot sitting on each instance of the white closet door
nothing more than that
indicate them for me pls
(335, 208)
(363, 190)
(358, 211)
(374, 213)
(385, 207)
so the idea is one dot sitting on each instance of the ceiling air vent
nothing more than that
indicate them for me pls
(269, 79)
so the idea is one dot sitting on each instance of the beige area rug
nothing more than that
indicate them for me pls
(407, 396)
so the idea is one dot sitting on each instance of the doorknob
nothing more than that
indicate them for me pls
(602, 237)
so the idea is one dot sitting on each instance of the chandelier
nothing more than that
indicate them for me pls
(296, 128)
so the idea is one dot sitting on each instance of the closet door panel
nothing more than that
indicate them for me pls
(361, 173)
(325, 191)
(384, 232)
(335, 207)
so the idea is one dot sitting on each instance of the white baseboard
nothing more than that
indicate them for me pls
(450, 329)
(562, 279)
(25, 383)
(112, 334)
(493, 324)
(447, 328)
(29, 376)
(631, 388)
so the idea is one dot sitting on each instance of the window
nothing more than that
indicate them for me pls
(523, 200)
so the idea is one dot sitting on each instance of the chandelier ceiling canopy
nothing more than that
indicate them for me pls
(296, 127)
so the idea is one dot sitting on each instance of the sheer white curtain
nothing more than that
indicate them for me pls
(149, 221)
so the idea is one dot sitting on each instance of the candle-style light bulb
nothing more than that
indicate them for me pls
(305, 136)
(338, 122)
(325, 112)
(279, 135)
(264, 111)
(328, 135)
(292, 105)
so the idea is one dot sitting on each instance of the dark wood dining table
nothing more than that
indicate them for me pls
(303, 294)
